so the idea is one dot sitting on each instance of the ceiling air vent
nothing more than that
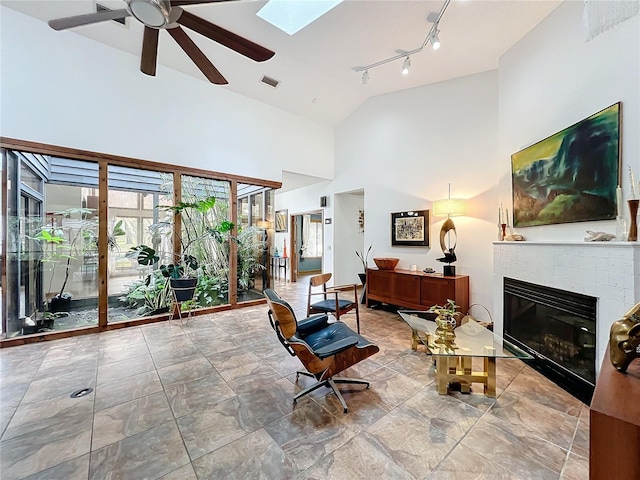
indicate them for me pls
(272, 82)
(100, 8)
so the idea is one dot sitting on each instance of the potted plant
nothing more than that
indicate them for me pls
(364, 259)
(61, 244)
(196, 238)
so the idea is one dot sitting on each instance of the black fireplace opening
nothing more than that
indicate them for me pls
(558, 328)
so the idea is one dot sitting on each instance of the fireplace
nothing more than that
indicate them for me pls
(558, 328)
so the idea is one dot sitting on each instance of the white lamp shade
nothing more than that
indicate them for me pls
(450, 207)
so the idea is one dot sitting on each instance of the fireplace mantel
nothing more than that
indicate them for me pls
(609, 271)
(574, 243)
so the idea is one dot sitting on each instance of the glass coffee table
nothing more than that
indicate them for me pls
(454, 360)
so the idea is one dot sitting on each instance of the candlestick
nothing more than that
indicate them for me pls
(619, 201)
(633, 227)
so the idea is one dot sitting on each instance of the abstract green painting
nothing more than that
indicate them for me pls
(570, 176)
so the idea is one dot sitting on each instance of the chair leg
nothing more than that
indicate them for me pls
(355, 381)
(307, 374)
(338, 394)
(310, 389)
(331, 383)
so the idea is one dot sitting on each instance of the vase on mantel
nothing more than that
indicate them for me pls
(633, 226)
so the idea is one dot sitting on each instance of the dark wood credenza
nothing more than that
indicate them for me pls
(416, 290)
(614, 431)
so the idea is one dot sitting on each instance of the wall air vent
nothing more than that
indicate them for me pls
(272, 82)
(101, 8)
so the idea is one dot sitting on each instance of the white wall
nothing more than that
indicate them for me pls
(64, 89)
(347, 238)
(302, 201)
(554, 78)
(404, 148)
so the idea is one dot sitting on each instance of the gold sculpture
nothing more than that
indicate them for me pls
(446, 323)
(624, 340)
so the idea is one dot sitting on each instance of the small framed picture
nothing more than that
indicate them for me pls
(410, 229)
(281, 220)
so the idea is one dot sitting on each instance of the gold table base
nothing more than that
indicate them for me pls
(416, 337)
(459, 369)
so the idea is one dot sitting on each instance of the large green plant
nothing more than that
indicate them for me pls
(251, 247)
(148, 296)
(61, 244)
(198, 234)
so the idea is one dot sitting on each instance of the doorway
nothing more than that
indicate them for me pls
(307, 243)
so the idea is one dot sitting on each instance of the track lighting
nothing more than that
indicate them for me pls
(435, 41)
(406, 65)
(432, 36)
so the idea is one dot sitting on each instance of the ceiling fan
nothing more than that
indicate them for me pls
(168, 15)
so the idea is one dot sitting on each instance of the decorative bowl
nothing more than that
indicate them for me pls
(386, 263)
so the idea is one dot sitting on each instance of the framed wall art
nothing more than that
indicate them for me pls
(570, 176)
(410, 229)
(281, 220)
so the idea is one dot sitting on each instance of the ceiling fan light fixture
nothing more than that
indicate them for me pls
(406, 65)
(153, 13)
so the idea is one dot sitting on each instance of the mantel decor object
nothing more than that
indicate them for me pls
(633, 225)
(624, 339)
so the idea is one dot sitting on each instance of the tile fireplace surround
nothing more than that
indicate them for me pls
(609, 271)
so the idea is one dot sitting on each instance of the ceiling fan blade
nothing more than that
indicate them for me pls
(225, 37)
(87, 19)
(181, 3)
(195, 54)
(149, 51)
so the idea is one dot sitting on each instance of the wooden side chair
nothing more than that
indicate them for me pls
(336, 300)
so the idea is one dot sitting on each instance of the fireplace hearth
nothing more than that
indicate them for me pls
(558, 328)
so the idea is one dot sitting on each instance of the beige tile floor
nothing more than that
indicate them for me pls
(213, 400)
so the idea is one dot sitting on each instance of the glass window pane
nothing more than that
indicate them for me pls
(52, 256)
(29, 178)
(206, 236)
(137, 220)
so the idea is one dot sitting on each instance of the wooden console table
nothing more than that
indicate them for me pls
(416, 290)
(614, 435)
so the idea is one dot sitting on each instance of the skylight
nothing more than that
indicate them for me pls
(291, 16)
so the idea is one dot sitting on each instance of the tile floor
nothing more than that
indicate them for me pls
(212, 400)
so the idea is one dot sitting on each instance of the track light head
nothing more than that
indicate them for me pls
(405, 66)
(435, 41)
(365, 77)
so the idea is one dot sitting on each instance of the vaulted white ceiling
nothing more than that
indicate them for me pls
(316, 66)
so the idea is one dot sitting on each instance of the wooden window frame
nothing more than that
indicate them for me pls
(104, 160)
